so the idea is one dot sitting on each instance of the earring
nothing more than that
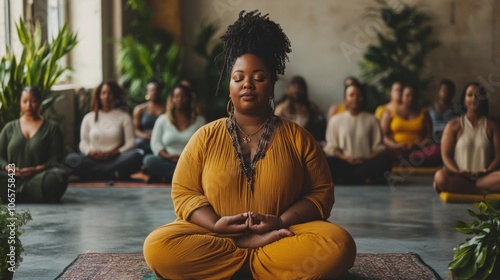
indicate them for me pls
(230, 107)
(271, 103)
(147, 97)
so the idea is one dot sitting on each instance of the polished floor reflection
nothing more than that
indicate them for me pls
(406, 217)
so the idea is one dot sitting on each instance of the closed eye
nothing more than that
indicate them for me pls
(238, 78)
(259, 78)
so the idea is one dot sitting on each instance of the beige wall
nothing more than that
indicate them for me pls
(319, 30)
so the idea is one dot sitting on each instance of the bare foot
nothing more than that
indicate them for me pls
(258, 240)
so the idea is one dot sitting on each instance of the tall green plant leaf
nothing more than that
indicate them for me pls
(400, 51)
(477, 256)
(145, 56)
(38, 66)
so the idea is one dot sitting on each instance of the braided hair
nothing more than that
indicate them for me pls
(254, 33)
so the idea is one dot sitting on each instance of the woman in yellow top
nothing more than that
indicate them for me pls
(470, 148)
(252, 192)
(408, 132)
(396, 89)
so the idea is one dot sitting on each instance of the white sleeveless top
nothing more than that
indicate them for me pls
(473, 150)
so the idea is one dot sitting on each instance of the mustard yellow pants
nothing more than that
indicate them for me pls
(318, 250)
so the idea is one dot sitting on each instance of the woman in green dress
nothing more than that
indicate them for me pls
(31, 151)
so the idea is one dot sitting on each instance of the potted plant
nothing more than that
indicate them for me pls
(37, 66)
(147, 54)
(11, 248)
(403, 43)
(478, 257)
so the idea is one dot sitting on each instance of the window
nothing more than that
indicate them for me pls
(4, 26)
(55, 18)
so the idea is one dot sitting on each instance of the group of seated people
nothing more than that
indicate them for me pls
(360, 147)
(113, 145)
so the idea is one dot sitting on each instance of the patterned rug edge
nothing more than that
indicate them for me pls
(422, 262)
(417, 259)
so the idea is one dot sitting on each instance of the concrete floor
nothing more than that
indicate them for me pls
(407, 217)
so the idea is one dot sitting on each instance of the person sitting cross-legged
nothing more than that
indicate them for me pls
(470, 148)
(107, 144)
(171, 133)
(31, 154)
(408, 132)
(354, 142)
(145, 115)
(252, 192)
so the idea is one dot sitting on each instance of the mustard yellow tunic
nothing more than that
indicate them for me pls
(208, 173)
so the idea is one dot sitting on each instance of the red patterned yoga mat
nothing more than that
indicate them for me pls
(368, 266)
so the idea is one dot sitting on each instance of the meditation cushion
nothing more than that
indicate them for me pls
(416, 170)
(461, 197)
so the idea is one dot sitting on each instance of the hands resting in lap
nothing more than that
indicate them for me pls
(262, 229)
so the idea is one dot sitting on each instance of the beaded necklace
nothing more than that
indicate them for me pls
(248, 168)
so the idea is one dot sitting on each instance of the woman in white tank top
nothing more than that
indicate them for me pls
(470, 148)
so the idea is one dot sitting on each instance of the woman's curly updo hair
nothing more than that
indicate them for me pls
(254, 33)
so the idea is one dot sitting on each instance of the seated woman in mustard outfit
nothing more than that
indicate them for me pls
(252, 192)
(470, 148)
(408, 132)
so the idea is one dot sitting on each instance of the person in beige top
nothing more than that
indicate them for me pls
(107, 144)
(354, 142)
(338, 108)
(470, 148)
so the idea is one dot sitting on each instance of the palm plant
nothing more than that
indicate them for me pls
(141, 64)
(147, 55)
(402, 47)
(37, 66)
